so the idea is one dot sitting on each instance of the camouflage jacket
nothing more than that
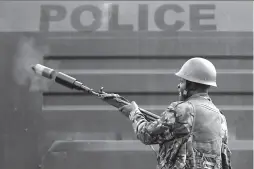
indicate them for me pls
(172, 132)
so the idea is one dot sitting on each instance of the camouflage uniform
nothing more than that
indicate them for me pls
(180, 146)
(225, 151)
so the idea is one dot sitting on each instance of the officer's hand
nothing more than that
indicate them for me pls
(128, 108)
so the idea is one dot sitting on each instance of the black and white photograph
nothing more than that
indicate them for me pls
(91, 84)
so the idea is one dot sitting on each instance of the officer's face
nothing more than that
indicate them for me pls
(181, 87)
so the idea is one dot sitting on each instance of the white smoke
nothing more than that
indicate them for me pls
(28, 53)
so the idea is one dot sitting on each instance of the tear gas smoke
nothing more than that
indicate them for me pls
(28, 53)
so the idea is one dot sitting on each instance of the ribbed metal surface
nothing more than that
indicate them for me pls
(147, 79)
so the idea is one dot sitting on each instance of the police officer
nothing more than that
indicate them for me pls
(192, 132)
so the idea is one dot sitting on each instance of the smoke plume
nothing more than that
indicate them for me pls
(28, 53)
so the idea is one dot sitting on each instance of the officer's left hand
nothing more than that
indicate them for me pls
(127, 109)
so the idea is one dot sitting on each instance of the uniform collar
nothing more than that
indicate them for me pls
(200, 95)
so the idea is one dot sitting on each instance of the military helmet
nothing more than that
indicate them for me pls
(198, 70)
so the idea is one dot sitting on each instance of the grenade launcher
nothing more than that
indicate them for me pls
(72, 83)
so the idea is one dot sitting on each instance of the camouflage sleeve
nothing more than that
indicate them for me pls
(175, 121)
(224, 129)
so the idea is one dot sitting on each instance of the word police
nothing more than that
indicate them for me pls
(195, 18)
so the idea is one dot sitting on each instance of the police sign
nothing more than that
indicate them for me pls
(55, 16)
(197, 13)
